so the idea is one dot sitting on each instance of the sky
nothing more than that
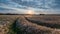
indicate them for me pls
(30, 6)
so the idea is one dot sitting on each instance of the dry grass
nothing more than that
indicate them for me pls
(5, 23)
(31, 28)
(46, 20)
(9, 24)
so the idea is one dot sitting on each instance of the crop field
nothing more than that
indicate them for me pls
(29, 24)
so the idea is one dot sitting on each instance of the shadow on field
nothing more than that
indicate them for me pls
(13, 29)
(44, 24)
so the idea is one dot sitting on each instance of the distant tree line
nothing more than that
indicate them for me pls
(12, 14)
(8, 14)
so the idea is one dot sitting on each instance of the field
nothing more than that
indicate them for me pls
(29, 24)
(52, 21)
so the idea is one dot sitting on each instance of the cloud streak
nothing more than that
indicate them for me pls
(38, 6)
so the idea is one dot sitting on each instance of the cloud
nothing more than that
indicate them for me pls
(22, 6)
(41, 4)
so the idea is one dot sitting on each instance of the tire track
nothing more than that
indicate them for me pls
(44, 24)
(26, 27)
